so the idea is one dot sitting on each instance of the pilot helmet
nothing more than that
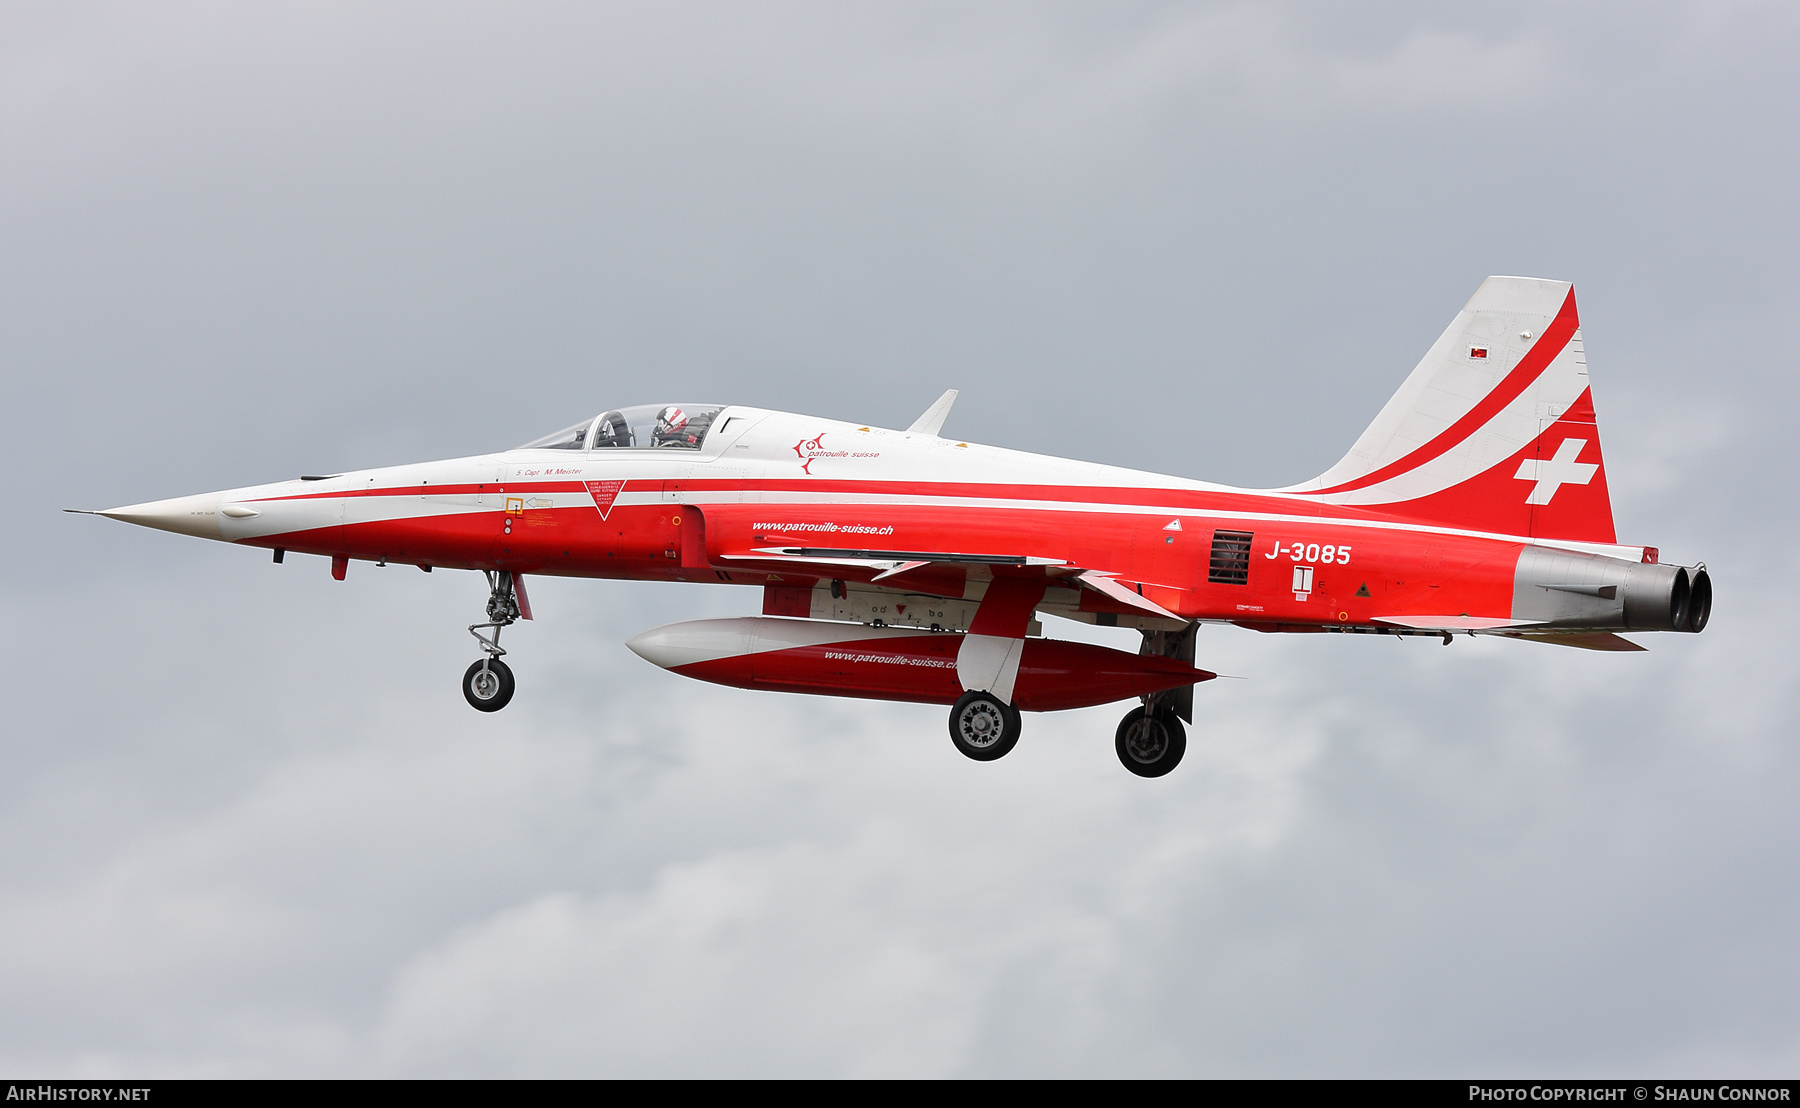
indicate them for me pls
(671, 423)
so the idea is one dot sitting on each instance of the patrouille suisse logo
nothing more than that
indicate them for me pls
(811, 450)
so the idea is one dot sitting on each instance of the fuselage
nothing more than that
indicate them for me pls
(788, 502)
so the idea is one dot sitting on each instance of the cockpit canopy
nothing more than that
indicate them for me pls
(646, 426)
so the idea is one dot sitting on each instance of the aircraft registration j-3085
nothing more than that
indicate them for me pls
(902, 565)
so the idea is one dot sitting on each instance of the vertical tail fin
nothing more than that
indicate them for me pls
(1494, 430)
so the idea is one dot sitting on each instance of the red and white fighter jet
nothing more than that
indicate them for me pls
(903, 565)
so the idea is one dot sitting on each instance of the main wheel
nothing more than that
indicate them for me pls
(983, 727)
(1150, 745)
(488, 689)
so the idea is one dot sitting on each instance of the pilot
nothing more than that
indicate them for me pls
(672, 428)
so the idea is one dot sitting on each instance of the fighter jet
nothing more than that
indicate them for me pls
(904, 565)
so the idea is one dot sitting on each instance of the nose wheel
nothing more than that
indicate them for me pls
(488, 684)
(983, 726)
(1149, 743)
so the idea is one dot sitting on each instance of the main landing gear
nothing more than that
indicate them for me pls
(488, 684)
(983, 726)
(1150, 740)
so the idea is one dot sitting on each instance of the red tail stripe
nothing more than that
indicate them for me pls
(1529, 369)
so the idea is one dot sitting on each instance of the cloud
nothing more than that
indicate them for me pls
(1378, 856)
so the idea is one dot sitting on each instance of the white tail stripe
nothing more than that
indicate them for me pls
(1506, 317)
(1512, 429)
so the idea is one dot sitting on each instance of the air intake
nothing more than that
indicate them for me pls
(1230, 563)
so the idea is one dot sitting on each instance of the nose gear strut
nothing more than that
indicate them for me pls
(488, 684)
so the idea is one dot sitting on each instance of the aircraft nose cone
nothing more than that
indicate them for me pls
(184, 515)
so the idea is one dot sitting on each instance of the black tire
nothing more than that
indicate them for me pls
(488, 692)
(984, 727)
(1150, 745)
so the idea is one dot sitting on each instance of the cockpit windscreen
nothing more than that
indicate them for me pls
(569, 438)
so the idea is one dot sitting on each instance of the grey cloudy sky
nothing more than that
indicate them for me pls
(248, 827)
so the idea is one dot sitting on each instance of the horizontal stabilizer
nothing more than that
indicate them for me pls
(1586, 640)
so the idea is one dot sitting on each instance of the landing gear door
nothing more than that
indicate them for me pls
(1178, 645)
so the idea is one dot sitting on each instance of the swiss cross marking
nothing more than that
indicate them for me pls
(1553, 473)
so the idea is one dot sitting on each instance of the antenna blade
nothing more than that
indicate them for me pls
(934, 416)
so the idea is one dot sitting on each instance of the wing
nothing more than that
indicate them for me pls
(888, 564)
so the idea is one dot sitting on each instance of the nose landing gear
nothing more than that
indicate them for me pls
(488, 684)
